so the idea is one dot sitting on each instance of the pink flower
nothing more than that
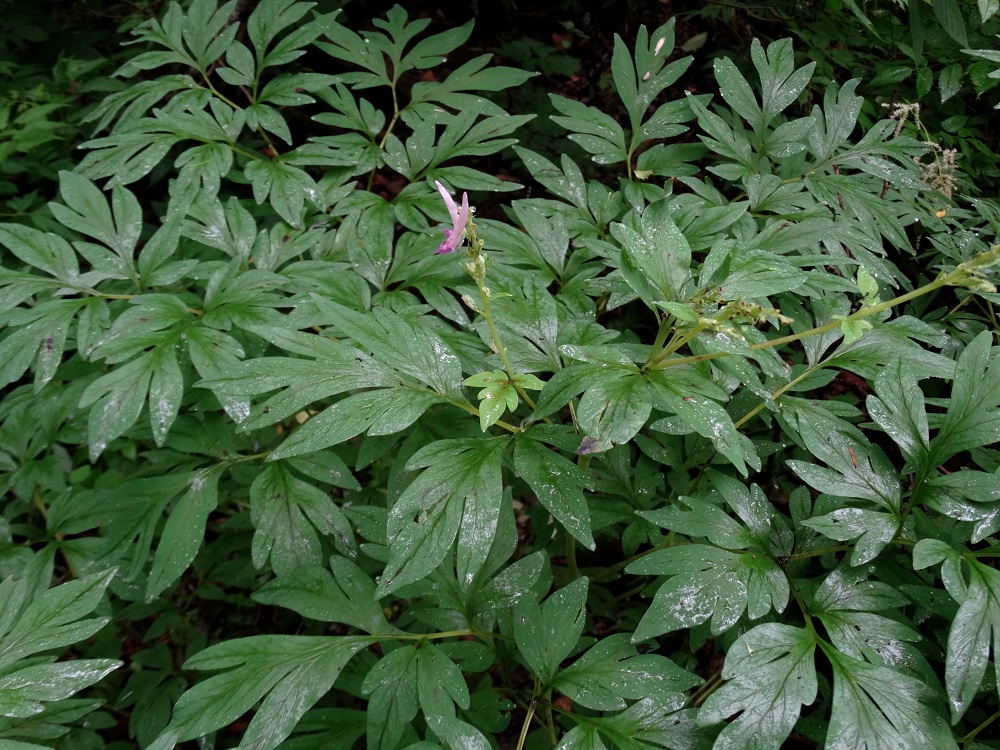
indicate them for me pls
(459, 218)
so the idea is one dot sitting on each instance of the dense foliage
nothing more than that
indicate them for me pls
(692, 444)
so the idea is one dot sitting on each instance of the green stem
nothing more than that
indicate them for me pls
(477, 270)
(527, 723)
(676, 342)
(972, 735)
(426, 636)
(620, 566)
(385, 136)
(802, 604)
(464, 406)
(757, 409)
(816, 553)
(865, 312)
(574, 572)
(711, 685)
(260, 131)
(498, 345)
(553, 740)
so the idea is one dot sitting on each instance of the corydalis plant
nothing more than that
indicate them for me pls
(782, 523)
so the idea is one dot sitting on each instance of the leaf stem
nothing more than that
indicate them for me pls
(958, 275)
(260, 131)
(816, 553)
(574, 571)
(465, 406)
(477, 270)
(757, 409)
(527, 723)
(972, 735)
(426, 636)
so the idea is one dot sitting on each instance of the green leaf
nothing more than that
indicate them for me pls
(183, 532)
(336, 368)
(737, 92)
(557, 483)
(599, 134)
(858, 471)
(53, 619)
(43, 250)
(771, 675)
(457, 734)
(380, 412)
(975, 626)
(289, 672)
(441, 685)
(269, 19)
(469, 76)
(285, 186)
(949, 15)
(874, 528)
(23, 691)
(899, 411)
(702, 414)
(547, 634)
(702, 518)
(391, 687)
(457, 495)
(346, 596)
(616, 407)
(708, 583)
(429, 52)
(842, 603)
(87, 211)
(973, 418)
(287, 513)
(411, 349)
(660, 253)
(39, 338)
(875, 706)
(780, 82)
(950, 81)
(613, 671)
(567, 183)
(117, 400)
(642, 725)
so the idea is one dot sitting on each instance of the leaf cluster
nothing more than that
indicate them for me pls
(696, 456)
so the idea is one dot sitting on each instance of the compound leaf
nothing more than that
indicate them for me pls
(771, 675)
